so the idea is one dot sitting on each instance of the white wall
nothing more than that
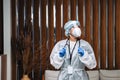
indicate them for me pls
(7, 35)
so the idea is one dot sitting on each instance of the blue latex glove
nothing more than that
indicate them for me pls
(80, 51)
(62, 52)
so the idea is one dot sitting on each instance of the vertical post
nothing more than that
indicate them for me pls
(117, 37)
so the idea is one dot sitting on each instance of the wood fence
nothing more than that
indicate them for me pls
(100, 24)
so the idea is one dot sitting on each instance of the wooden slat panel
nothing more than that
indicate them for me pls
(27, 24)
(50, 26)
(44, 53)
(65, 14)
(95, 30)
(117, 39)
(58, 20)
(21, 14)
(27, 16)
(88, 20)
(14, 21)
(110, 34)
(73, 9)
(36, 22)
(103, 34)
(65, 11)
(28, 4)
(36, 39)
(80, 15)
(13, 37)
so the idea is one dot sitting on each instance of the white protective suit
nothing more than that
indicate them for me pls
(74, 69)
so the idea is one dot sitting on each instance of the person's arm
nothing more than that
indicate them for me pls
(88, 58)
(55, 59)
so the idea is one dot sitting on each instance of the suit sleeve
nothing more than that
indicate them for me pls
(88, 58)
(55, 60)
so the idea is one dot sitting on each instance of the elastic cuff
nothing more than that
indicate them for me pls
(84, 55)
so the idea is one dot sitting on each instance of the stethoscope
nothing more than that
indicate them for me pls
(68, 44)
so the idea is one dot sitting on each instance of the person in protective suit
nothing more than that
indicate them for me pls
(73, 54)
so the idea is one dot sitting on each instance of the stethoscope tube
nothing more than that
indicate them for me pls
(69, 43)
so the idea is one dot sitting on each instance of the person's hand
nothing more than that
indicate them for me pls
(80, 51)
(62, 52)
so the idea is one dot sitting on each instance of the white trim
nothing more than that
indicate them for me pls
(7, 34)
